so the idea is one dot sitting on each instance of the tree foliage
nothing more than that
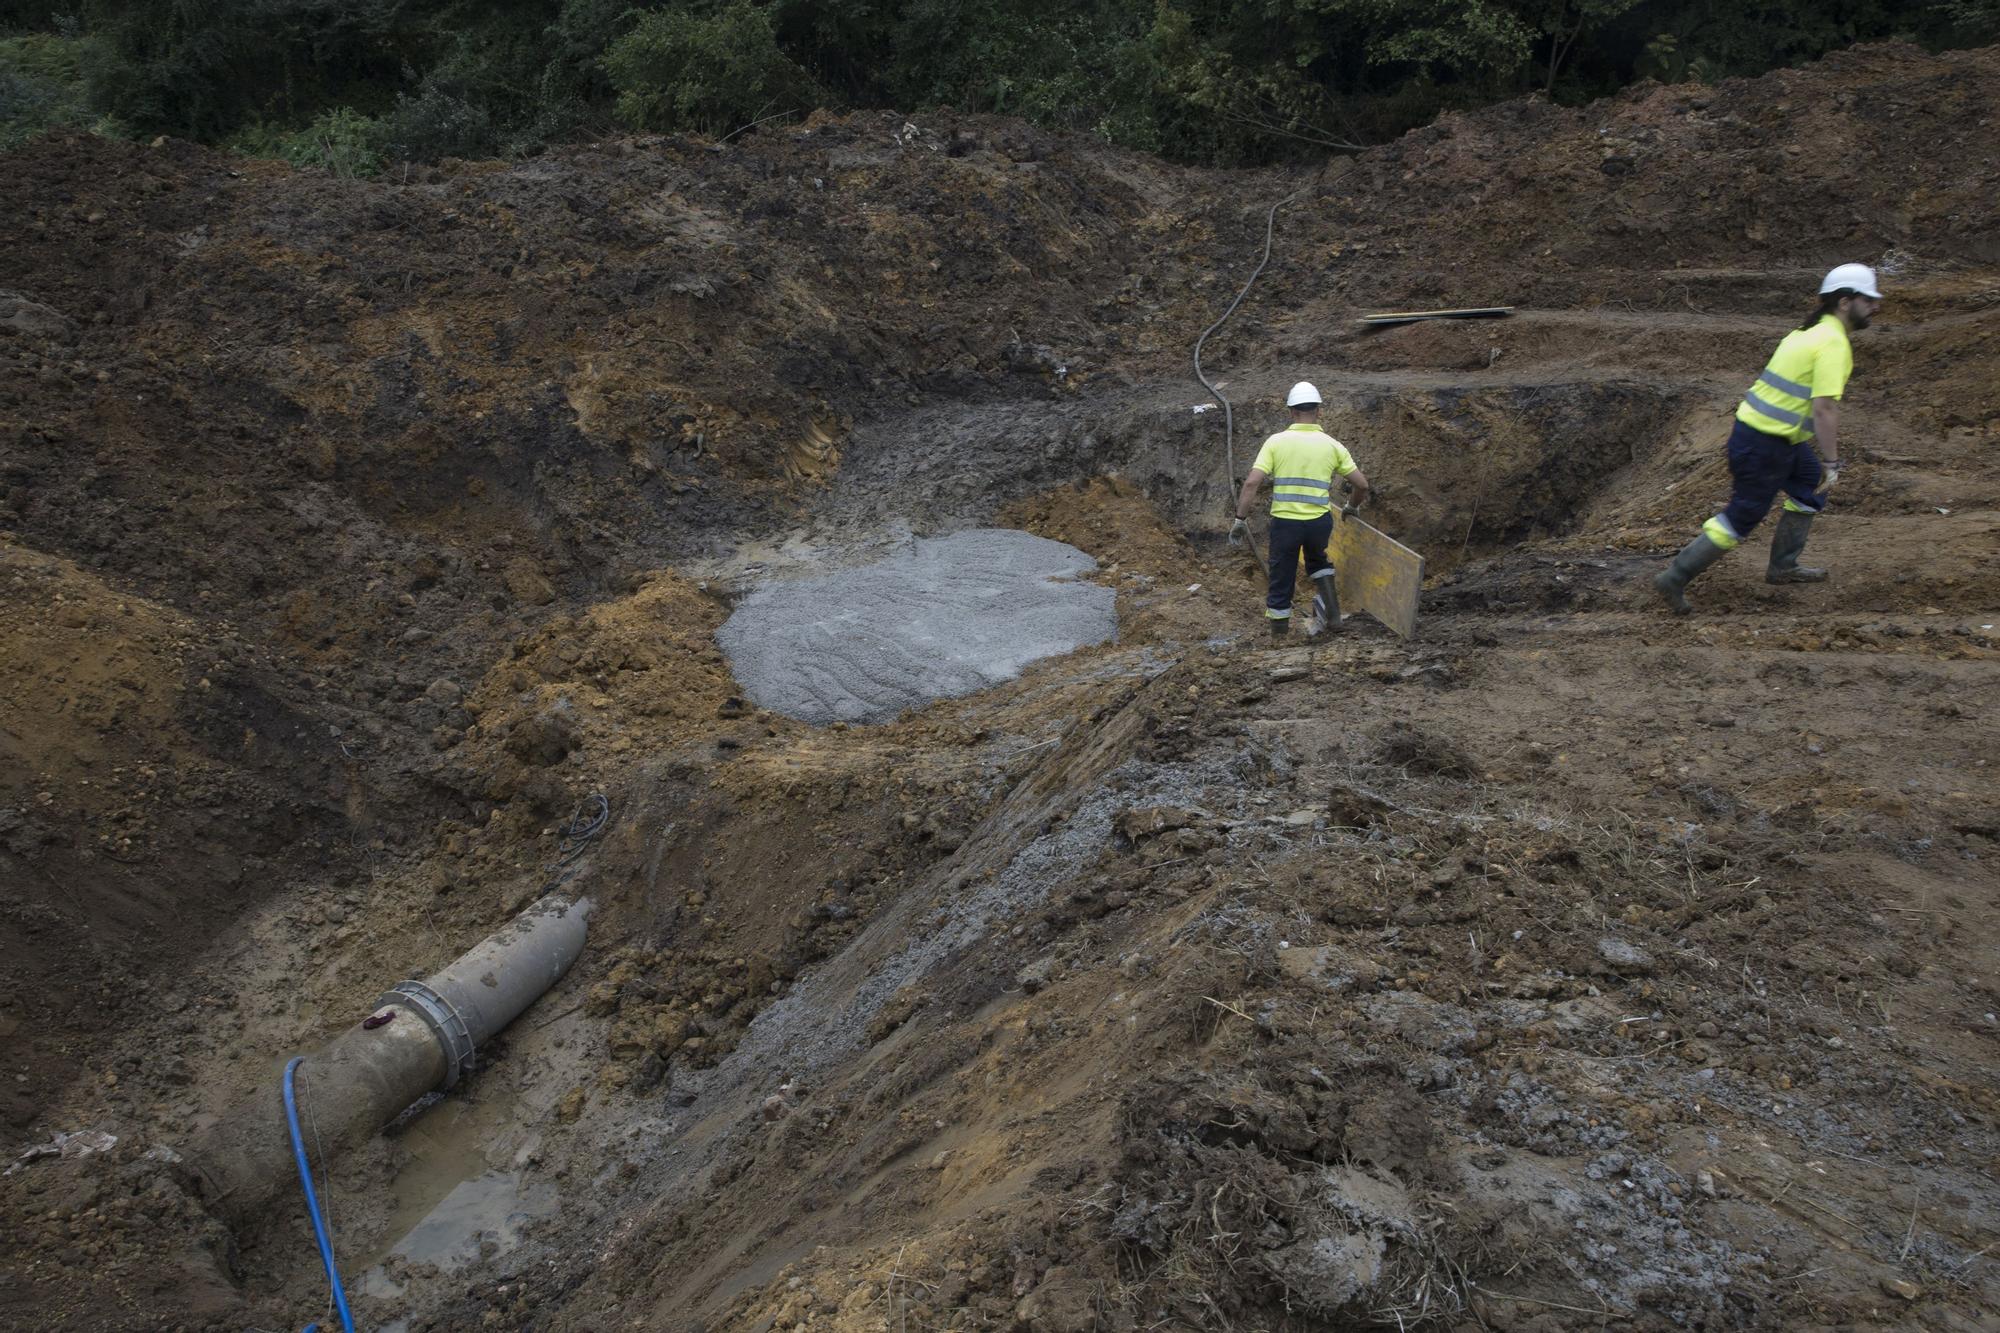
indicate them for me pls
(711, 72)
(342, 141)
(346, 84)
(41, 86)
(1972, 20)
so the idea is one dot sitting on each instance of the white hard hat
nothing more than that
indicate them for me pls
(1851, 278)
(1302, 395)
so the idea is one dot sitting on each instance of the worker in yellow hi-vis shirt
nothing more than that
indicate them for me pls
(1787, 438)
(1301, 462)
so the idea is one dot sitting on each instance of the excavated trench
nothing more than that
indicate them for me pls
(950, 614)
(886, 588)
(472, 1182)
(1458, 465)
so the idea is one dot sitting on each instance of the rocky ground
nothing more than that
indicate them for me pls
(1565, 966)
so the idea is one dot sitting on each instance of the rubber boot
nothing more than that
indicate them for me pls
(1280, 626)
(1326, 604)
(1672, 581)
(1786, 544)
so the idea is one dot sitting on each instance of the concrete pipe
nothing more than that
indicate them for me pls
(422, 1036)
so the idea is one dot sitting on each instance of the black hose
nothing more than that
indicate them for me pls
(576, 836)
(1229, 413)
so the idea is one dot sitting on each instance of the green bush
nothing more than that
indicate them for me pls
(342, 141)
(1042, 60)
(573, 97)
(1223, 100)
(436, 124)
(41, 87)
(1972, 20)
(713, 73)
(205, 69)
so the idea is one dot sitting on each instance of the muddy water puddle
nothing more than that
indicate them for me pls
(938, 619)
(464, 1198)
(480, 1219)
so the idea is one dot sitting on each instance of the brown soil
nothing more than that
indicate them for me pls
(1563, 967)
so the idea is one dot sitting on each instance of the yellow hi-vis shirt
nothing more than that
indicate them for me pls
(1809, 363)
(1301, 462)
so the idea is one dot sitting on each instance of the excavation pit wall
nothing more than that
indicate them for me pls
(1458, 462)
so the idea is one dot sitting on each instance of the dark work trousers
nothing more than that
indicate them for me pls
(1289, 536)
(1760, 466)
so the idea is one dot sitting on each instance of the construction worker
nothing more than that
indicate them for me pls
(1301, 462)
(1787, 438)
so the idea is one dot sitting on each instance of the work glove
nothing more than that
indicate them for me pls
(1832, 474)
(1350, 510)
(1239, 532)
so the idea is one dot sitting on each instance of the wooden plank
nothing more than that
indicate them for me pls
(1407, 316)
(1377, 574)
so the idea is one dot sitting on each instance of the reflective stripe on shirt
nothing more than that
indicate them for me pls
(1808, 364)
(1301, 462)
(1783, 385)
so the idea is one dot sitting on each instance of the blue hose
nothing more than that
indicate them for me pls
(312, 1203)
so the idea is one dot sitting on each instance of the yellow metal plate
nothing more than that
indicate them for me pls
(1376, 574)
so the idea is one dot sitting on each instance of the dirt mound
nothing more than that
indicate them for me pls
(154, 776)
(1678, 191)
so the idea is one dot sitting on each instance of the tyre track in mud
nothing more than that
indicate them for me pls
(1005, 869)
